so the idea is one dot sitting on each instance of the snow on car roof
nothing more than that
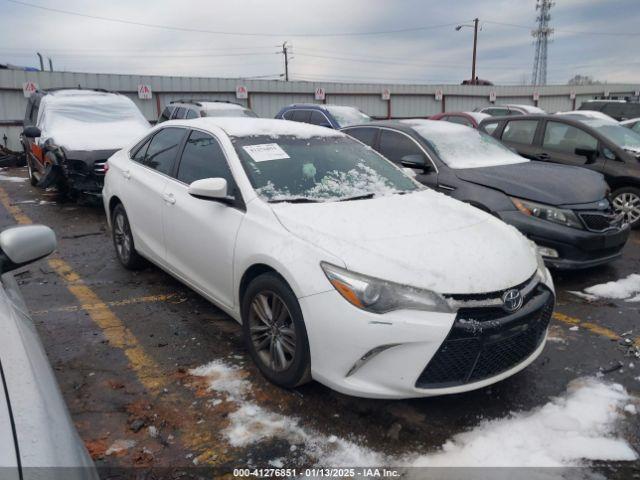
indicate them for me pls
(593, 114)
(253, 127)
(527, 108)
(221, 106)
(478, 116)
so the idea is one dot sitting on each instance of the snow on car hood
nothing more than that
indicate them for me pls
(423, 239)
(91, 121)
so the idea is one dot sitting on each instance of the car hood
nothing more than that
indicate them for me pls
(540, 182)
(79, 136)
(424, 239)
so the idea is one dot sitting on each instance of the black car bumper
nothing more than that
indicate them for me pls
(85, 170)
(576, 248)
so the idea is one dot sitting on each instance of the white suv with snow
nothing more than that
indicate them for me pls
(338, 265)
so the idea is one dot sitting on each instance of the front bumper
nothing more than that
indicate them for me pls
(390, 356)
(576, 248)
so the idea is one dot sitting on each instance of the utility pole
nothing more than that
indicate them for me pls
(285, 52)
(41, 61)
(475, 47)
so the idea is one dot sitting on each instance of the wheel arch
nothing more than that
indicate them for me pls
(252, 272)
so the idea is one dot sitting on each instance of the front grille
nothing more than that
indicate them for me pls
(600, 221)
(485, 342)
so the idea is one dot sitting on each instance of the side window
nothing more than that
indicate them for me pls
(458, 119)
(161, 153)
(300, 116)
(566, 138)
(203, 158)
(365, 135)
(490, 127)
(394, 146)
(191, 114)
(179, 113)
(319, 118)
(139, 154)
(288, 115)
(166, 114)
(521, 131)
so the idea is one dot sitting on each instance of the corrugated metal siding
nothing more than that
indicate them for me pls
(267, 97)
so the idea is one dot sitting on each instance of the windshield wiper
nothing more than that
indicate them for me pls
(294, 200)
(357, 197)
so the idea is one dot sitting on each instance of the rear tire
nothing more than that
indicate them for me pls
(626, 201)
(123, 240)
(274, 331)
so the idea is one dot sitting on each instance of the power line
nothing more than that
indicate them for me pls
(220, 32)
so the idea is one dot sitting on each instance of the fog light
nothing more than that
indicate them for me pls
(548, 252)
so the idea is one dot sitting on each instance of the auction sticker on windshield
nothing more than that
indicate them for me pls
(266, 152)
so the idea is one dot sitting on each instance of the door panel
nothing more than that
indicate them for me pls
(145, 179)
(201, 234)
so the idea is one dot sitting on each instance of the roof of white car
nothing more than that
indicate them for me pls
(221, 106)
(631, 120)
(526, 108)
(250, 127)
(593, 114)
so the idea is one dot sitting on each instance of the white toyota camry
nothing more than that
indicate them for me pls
(339, 266)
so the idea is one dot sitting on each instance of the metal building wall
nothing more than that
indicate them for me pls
(266, 97)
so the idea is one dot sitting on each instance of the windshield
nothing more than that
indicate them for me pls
(463, 147)
(327, 168)
(347, 115)
(230, 112)
(100, 108)
(621, 136)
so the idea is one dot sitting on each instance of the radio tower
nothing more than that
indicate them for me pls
(541, 34)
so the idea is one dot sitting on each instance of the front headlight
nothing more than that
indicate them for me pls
(379, 296)
(547, 212)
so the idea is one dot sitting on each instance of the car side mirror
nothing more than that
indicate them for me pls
(214, 189)
(589, 153)
(416, 161)
(31, 132)
(25, 244)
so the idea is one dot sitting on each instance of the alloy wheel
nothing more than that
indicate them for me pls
(273, 332)
(122, 235)
(627, 204)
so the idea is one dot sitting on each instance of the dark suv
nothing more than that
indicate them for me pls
(186, 109)
(330, 116)
(70, 133)
(597, 144)
(618, 109)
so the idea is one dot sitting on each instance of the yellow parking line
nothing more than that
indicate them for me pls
(113, 329)
(592, 327)
(115, 303)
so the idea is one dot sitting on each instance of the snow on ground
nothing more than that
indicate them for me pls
(624, 289)
(568, 430)
(6, 178)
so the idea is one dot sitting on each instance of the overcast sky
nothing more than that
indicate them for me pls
(590, 39)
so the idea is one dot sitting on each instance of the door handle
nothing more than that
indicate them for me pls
(126, 174)
(169, 198)
(543, 156)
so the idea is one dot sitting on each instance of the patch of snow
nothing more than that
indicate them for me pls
(221, 106)
(223, 378)
(567, 431)
(575, 328)
(276, 463)
(462, 147)
(583, 295)
(90, 120)
(630, 408)
(626, 288)
(6, 178)
(274, 128)
(153, 431)
(120, 445)
(346, 115)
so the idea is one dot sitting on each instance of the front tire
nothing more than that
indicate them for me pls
(626, 201)
(123, 240)
(32, 178)
(274, 331)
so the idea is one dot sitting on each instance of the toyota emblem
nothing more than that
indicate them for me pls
(512, 300)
